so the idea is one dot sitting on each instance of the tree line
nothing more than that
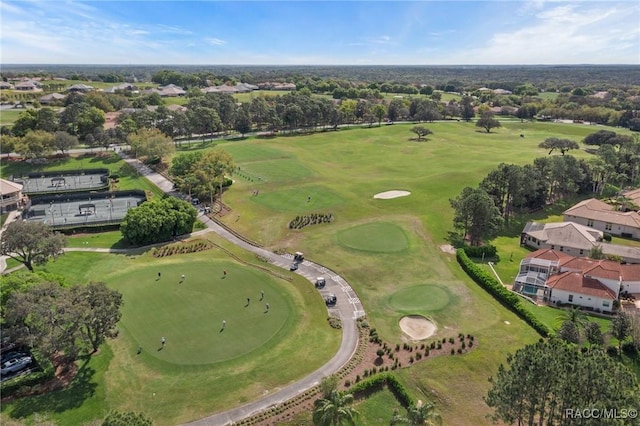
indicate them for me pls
(480, 213)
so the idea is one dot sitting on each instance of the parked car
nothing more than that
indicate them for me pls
(320, 282)
(11, 355)
(330, 299)
(15, 365)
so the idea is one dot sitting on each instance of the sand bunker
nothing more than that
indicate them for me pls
(391, 194)
(417, 327)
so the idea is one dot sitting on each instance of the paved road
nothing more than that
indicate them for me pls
(348, 309)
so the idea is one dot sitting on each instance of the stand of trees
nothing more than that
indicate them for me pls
(542, 380)
(62, 322)
(158, 220)
(203, 174)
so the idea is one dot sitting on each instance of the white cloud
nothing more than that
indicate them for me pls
(215, 41)
(564, 35)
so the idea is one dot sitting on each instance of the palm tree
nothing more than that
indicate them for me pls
(574, 315)
(334, 410)
(424, 414)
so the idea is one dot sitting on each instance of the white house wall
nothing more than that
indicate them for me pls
(562, 296)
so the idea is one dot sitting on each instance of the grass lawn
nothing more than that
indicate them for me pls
(202, 369)
(378, 408)
(388, 250)
(9, 116)
(376, 237)
(109, 239)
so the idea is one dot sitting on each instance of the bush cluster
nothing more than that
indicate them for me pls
(379, 380)
(310, 219)
(499, 292)
(335, 322)
(181, 248)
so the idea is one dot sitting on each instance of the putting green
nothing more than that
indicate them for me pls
(378, 237)
(300, 199)
(189, 313)
(420, 298)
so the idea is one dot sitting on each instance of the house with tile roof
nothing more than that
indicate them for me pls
(557, 277)
(578, 289)
(604, 217)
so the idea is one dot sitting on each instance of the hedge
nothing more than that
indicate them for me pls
(500, 293)
(379, 380)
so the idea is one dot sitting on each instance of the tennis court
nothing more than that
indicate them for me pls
(84, 209)
(69, 181)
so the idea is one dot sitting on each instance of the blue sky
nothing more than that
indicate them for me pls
(317, 33)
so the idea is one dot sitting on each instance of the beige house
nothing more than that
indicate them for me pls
(573, 239)
(10, 196)
(599, 215)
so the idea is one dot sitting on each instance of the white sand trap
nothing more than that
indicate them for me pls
(417, 327)
(391, 194)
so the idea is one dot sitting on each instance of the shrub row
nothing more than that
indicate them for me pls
(479, 251)
(379, 380)
(310, 219)
(181, 248)
(502, 294)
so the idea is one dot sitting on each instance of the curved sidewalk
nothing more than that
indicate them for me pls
(348, 308)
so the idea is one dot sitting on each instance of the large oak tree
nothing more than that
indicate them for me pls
(30, 243)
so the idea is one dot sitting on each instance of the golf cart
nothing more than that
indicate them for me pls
(320, 282)
(298, 257)
(330, 299)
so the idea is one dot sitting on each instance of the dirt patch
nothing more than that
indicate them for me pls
(391, 194)
(448, 248)
(417, 327)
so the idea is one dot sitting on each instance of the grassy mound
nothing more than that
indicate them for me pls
(189, 313)
(420, 298)
(379, 237)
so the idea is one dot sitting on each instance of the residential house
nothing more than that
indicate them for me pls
(82, 88)
(28, 86)
(121, 88)
(560, 278)
(604, 217)
(10, 195)
(52, 98)
(6, 86)
(172, 90)
(579, 289)
(633, 195)
(502, 91)
(574, 239)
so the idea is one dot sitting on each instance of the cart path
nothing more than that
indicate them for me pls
(348, 309)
